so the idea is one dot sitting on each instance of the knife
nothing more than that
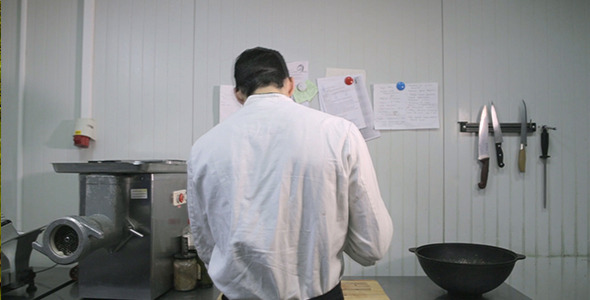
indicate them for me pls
(497, 136)
(544, 157)
(523, 133)
(483, 151)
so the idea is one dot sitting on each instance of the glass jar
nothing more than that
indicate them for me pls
(185, 271)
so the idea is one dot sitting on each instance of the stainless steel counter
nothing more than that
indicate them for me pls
(396, 287)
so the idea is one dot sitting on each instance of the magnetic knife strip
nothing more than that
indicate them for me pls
(506, 127)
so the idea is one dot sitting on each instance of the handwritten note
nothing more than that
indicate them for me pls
(340, 99)
(415, 107)
(335, 79)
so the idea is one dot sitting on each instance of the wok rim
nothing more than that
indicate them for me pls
(516, 256)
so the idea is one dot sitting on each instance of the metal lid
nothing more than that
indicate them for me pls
(122, 166)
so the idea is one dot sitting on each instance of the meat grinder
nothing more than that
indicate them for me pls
(131, 217)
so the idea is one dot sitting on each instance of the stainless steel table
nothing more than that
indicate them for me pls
(396, 287)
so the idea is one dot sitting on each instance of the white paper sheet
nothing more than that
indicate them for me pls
(369, 131)
(415, 107)
(338, 98)
(228, 103)
(299, 71)
(362, 96)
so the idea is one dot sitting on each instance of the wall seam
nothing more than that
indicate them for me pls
(442, 34)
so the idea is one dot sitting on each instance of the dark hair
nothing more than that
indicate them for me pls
(259, 67)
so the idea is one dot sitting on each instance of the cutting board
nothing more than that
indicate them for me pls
(363, 289)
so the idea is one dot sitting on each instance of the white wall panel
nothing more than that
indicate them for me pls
(505, 51)
(49, 104)
(144, 79)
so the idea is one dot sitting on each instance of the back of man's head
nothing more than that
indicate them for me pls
(259, 67)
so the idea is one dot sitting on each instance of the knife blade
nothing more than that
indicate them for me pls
(498, 139)
(523, 135)
(483, 148)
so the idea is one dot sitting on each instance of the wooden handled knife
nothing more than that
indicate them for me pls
(483, 148)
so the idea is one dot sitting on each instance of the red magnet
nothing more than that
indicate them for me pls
(348, 80)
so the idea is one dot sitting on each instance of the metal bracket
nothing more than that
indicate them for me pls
(506, 127)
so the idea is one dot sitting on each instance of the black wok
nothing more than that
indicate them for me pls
(466, 269)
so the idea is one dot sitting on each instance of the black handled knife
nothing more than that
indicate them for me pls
(498, 139)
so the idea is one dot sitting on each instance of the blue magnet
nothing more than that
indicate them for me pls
(401, 86)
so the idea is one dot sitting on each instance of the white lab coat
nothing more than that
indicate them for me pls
(276, 193)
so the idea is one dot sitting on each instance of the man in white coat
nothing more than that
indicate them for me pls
(278, 192)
